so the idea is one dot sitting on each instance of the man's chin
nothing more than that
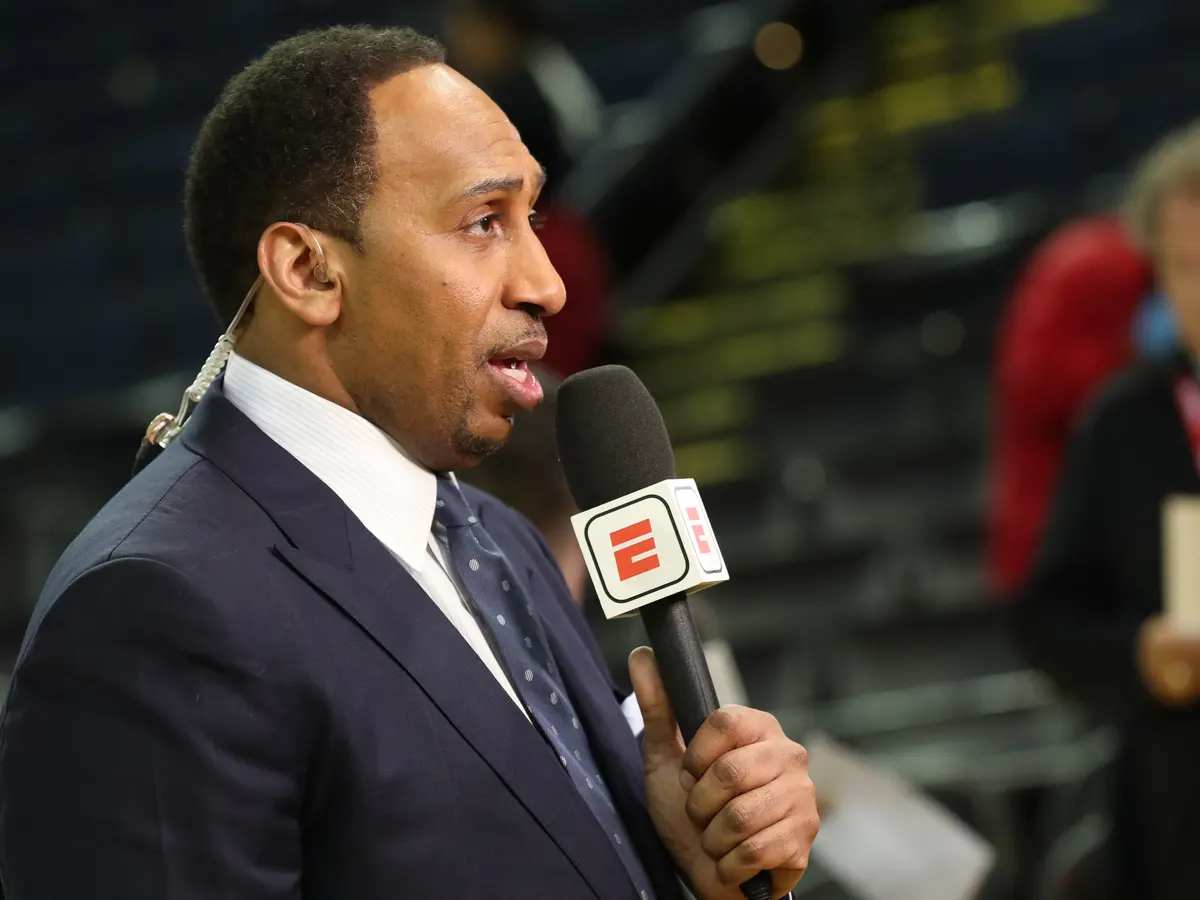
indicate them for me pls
(472, 446)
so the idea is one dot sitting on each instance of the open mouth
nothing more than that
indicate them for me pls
(520, 383)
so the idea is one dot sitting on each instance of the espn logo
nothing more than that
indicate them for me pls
(648, 545)
(699, 529)
(693, 515)
(633, 549)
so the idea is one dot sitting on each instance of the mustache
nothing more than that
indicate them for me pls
(536, 331)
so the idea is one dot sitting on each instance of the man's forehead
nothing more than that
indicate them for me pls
(432, 119)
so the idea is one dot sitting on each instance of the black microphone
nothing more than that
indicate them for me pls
(613, 442)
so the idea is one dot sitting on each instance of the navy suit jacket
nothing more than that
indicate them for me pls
(230, 690)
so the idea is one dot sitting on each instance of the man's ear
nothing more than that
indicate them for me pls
(294, 265)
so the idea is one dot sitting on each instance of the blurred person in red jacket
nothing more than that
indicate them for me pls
(1067, 329)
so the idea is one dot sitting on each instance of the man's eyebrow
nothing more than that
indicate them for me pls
(507, 184)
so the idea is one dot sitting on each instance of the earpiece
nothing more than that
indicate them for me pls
(320, 270)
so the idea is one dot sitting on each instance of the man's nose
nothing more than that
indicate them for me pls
(534, 282)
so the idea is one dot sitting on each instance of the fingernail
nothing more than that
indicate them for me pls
(686, 781)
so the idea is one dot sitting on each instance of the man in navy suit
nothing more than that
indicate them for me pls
(272, 667)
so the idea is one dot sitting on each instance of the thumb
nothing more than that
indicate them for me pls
(661, 738)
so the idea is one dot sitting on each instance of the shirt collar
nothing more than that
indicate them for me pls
(390, 493)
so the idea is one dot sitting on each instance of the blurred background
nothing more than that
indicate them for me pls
(801, 222)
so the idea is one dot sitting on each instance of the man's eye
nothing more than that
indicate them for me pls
(537, 220)
(485, 225)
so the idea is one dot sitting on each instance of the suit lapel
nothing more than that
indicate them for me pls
(613, 745)
(589, 686)
(332, 551)
(612, 741)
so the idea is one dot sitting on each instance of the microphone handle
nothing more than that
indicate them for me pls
(689, 684)
(681, 662)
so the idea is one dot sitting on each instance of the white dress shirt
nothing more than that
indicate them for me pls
(392, 495)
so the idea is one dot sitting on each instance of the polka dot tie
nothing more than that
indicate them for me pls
(517, 635)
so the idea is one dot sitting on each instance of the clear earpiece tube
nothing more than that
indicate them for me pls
(166, 427)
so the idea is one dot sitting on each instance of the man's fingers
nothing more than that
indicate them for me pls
(780, 850)
(738, 772)
(661, 735)
(752, 813)
(727, 729)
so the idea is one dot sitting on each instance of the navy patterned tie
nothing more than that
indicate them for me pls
(517, 636)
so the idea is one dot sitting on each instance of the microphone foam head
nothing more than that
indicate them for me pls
(611, 437)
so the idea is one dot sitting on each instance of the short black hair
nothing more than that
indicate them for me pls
(291, 138)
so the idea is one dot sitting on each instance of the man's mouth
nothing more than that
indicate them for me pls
(511, 367)
(516, 369)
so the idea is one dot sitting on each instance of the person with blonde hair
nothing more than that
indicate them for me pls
(1091, 613)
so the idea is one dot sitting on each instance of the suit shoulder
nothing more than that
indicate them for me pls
(177, 511)
(1121, 402)
(116, 602)
(179, 548)
(1131, 385)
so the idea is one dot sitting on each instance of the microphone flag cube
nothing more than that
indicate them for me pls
(649, 545)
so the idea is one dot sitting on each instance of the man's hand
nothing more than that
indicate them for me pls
(737, 801)
(1170, 662)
